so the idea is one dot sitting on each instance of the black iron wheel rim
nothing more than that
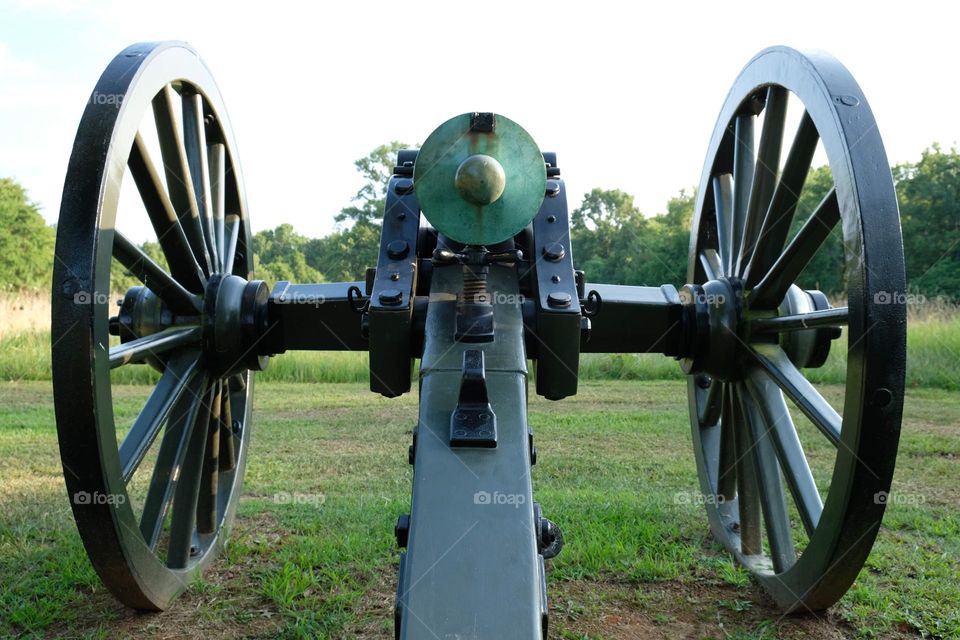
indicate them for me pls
(869, 220)
(86, 244)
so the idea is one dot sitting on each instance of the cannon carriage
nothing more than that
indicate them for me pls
(475, 278)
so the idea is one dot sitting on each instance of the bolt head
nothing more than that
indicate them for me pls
(554, 252)
(390, 297)
(559, 299)
(398, 249)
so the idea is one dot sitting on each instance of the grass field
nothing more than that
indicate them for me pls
(638, 562)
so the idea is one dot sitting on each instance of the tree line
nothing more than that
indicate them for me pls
(614, 242)
(611, 239)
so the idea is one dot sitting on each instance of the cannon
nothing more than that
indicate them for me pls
(475, 278)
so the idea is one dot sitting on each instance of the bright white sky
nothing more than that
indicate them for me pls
(626, 93)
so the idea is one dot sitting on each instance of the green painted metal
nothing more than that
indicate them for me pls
(479, 187)
(472, 510)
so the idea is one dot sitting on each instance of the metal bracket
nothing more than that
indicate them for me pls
(394, 288)
(558, 302)
(473, 423)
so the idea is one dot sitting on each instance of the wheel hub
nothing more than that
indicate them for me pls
(713, 317)
(141, 313)
(808, 348)
(234, 319)
(718, 329)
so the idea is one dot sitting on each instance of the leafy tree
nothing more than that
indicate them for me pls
(280, 256)
(929, 195)
(345, 254)
(121, 279)
(602, 225)
(613, 242)
(826, 270)
(669, 243)
(376, 168)
(26, 244)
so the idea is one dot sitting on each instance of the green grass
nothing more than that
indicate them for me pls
(612, 460)
(933, 350)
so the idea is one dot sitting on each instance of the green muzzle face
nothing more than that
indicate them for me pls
(479, 178)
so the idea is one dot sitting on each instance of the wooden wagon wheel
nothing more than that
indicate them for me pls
(759, 330)
(187, 446)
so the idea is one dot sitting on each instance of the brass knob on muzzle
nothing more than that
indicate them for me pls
(480, 179)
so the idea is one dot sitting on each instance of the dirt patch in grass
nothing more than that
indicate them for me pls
(589, 609)
(374, 616)
(225, 604)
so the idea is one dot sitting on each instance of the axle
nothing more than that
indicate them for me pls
(700, 322)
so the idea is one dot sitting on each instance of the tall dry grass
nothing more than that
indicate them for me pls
(26, 311)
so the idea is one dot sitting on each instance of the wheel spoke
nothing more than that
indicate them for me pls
(772, 501)
(744, 165)
(795, 385)
(228, 448)
(207, 499)
(218, 172)
(779, 217)
(710, 262)
(772, 288)
(180, 371)
(231, 236)
(195, 144)
(803, 487)
(723, 203)
(154, 344)
(727, 457)
(712, 404)
(179, 184)
(187, 492)
(748, 495)
(834, 317)
(238, 382)
(153, 276)
(173, 449)
(170, 235)
(766, 172)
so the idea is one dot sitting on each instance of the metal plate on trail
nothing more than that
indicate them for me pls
(479, 178)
